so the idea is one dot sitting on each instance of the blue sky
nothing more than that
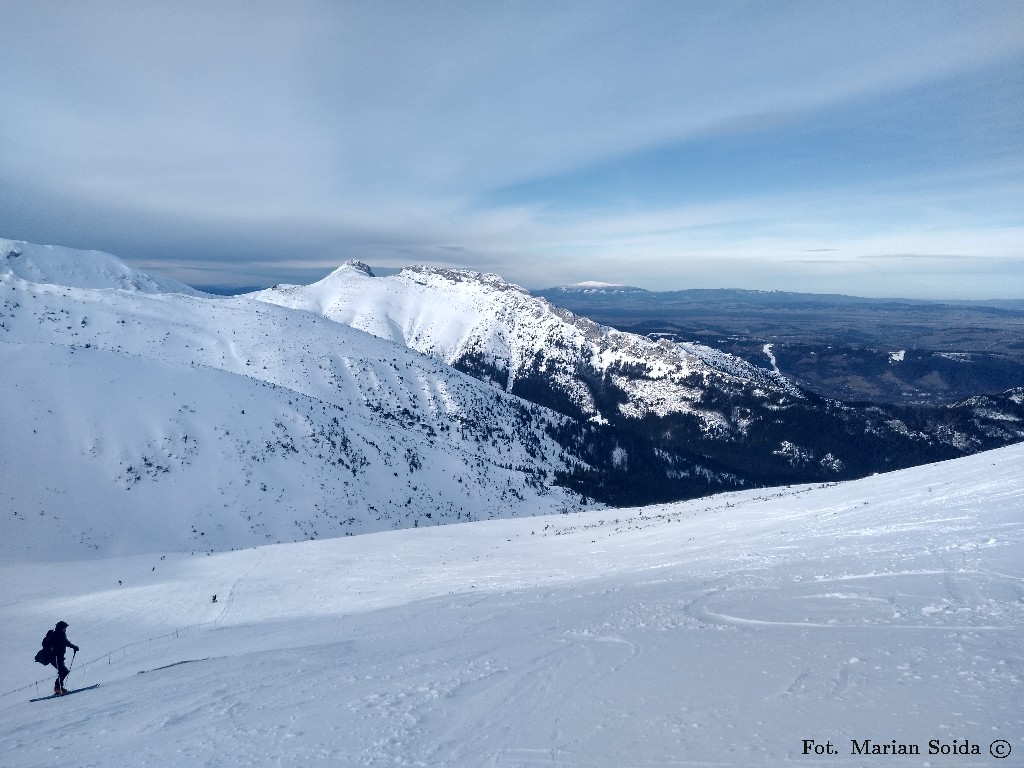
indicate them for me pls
(865, 148)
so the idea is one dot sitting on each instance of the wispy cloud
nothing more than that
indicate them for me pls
(516, 137)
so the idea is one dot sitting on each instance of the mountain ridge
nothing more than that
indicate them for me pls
(478, 320)
(680, 409)
(362, 404)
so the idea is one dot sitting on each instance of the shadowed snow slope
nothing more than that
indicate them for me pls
(723, 631)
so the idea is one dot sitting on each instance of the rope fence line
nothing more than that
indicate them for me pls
(173, 633)
(123, 650)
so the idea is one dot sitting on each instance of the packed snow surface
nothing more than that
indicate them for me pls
(727, 631)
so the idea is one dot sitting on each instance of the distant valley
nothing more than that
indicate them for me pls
(841, 347)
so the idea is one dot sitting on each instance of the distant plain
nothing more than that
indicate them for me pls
(848, 348)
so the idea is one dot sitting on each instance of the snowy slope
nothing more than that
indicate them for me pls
(719, 632)
(58, 265)
(136, 422)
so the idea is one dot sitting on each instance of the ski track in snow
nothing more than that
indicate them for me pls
(717, 632)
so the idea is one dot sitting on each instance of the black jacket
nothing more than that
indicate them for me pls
(56, 643)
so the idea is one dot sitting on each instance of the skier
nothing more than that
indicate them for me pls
(55, 644)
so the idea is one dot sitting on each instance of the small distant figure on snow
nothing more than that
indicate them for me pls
(214, 599)
(55, 645)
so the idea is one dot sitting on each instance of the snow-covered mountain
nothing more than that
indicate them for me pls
(481, 324)
(670, 420)
(139, 416)
(137, 410)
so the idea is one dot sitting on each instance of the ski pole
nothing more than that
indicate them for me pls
(73, 654)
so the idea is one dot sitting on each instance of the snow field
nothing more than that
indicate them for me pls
(167, 422)
(722, 631)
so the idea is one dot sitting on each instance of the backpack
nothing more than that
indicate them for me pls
(45, 654)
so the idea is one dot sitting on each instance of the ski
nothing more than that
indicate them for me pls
(168, 666)
(62, 695)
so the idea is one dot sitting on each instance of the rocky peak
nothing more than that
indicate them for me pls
(358, 266)
(423, 275)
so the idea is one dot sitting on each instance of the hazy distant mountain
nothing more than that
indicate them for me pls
(597, 292)
(594, 288)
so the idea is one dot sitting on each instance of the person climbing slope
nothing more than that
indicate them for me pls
(55, 645)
